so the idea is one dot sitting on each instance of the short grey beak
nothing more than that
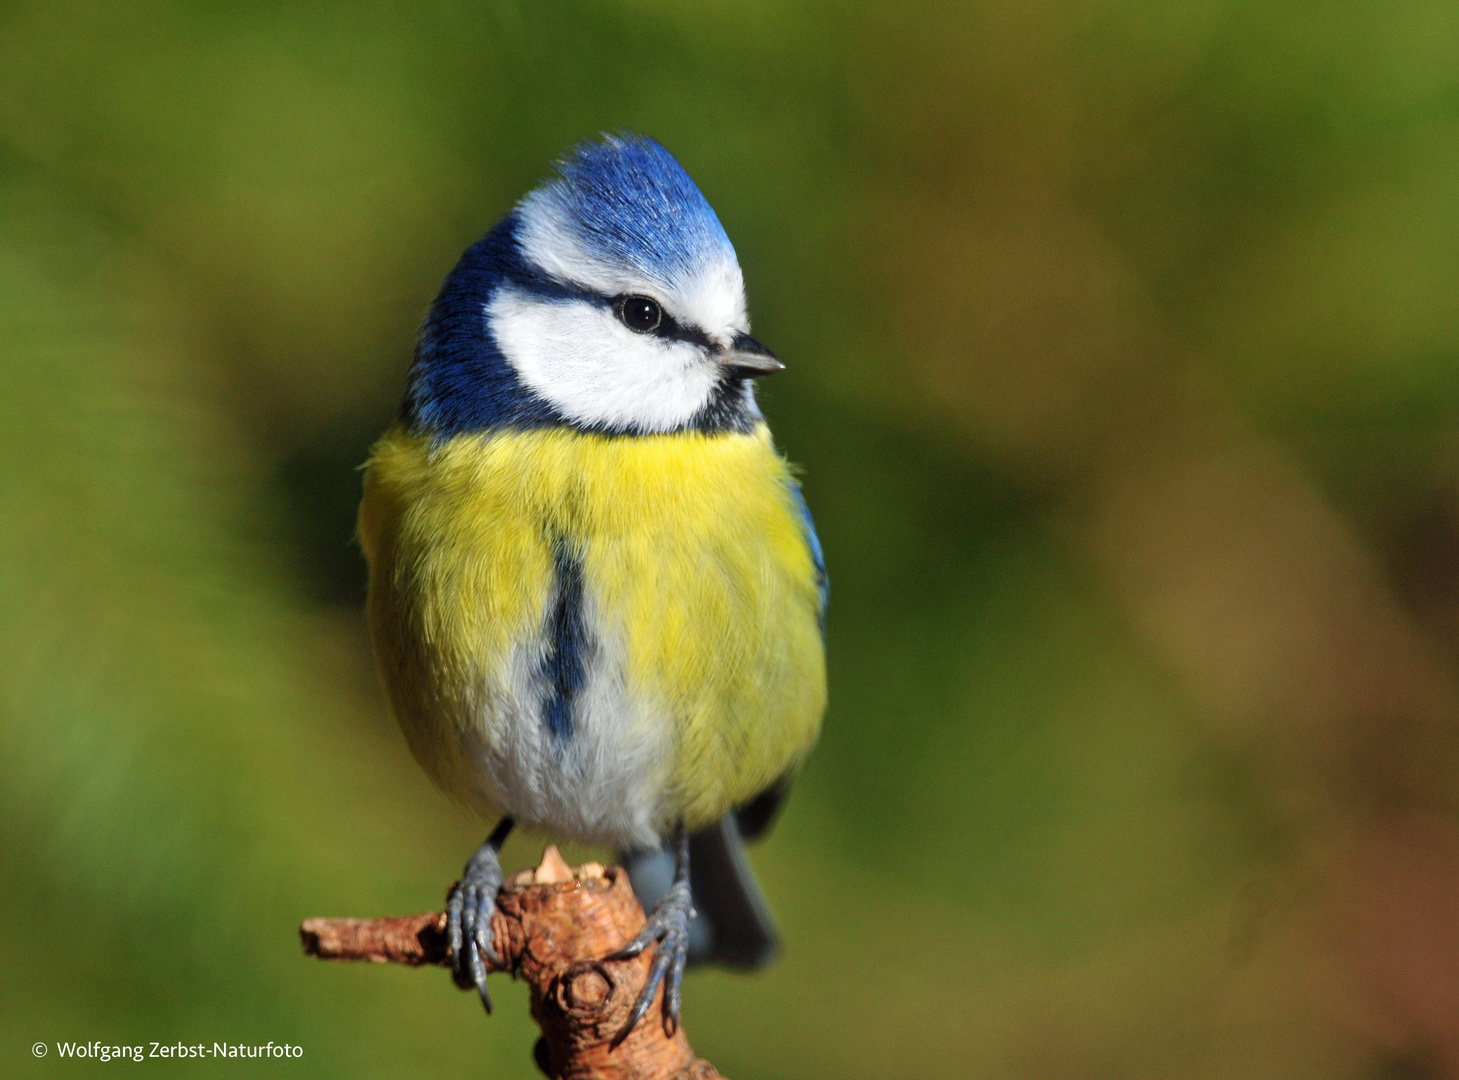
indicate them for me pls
(749, 359)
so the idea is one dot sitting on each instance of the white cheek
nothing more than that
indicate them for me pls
(579, 357)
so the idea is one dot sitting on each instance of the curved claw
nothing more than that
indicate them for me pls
(468, 929)
(673, 991)
(483, 933)
(668, 929)
(468, 916)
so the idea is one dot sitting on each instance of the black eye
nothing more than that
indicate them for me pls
(640, 314)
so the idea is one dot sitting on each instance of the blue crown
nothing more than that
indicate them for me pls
(633, 204)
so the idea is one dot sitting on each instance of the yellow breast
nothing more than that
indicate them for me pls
(695, 570)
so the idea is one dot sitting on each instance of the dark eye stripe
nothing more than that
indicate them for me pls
(667, 326)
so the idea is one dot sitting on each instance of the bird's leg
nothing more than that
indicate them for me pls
(468, 914)
(667, 929)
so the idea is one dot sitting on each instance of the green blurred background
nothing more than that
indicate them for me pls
(1124, 372)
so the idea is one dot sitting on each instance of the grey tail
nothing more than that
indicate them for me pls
(732, 925)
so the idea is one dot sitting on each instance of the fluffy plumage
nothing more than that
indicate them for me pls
(595, 590)
(699, 662)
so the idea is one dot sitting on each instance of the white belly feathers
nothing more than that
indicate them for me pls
(602, 782)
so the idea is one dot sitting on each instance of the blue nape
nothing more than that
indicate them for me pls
(460, 380)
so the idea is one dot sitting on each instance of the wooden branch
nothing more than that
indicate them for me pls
(552, 927)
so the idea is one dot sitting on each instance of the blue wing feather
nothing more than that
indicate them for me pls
(817, 557)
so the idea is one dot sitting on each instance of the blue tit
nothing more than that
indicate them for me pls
(596, 595)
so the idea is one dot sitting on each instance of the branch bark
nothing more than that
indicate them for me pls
(552, 927)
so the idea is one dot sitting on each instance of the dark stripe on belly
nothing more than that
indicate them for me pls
(565, 666)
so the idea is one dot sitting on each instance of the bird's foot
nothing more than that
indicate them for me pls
(667, 929)
(468, 916)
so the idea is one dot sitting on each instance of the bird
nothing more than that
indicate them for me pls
(596, 594)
